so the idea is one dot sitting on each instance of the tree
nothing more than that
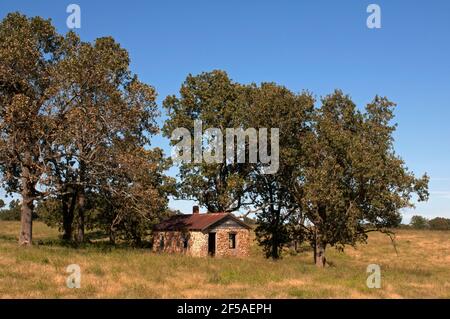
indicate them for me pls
(215, 100)
(2, 203)
(134, 195)
(439, 223)
(29, 51)
(49, 211)
(12, 212)
(353, 183)
(273, 106)
(65, 105)
(101, 104)
(419, 222)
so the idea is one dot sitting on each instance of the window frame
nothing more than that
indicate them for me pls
(185, 242)
(232, 240)
(161, 242)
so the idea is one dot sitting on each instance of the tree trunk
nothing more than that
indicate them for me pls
(26, 214)
(274, 252)
(319, 254)
(81, 207)
(67, 229)
(138, 241)
(319, 247)
(112, 235)
(68, 204)
(275, 238)
(81, 202)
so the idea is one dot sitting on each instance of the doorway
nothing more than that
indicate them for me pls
(211, 244)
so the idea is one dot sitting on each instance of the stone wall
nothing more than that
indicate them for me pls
(174, 242)
(199, 244)
(223, 245)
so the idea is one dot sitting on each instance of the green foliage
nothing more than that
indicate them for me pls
(77, 122)
(49, 211)
(127, 210)
(29, 51)
(338, 179)
(12, 212)
(271, 233)
(352, 181)
(215, 100)
(439, 223)
(105, 129)
(272, 106)
(419, 222)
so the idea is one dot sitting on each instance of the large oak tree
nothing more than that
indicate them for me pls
(29, 54)
(65, 107)
(353, 182)
(272, 106)
(101, 103)
(214, 99)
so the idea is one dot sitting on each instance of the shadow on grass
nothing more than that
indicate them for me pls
(100, 245)
(8, 238)
(96, 240)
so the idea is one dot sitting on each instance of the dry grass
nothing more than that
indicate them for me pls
(421, 270)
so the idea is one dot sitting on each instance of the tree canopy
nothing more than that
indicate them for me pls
(214, 99)
(352, 182)
(338, 179)
(75, 122)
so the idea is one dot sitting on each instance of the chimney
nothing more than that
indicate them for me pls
(195, 210)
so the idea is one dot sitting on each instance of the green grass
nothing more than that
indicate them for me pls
(421, 270)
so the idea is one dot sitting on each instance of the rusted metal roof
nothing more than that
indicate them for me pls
(195, 221)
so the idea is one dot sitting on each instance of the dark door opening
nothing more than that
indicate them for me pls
(212, 244)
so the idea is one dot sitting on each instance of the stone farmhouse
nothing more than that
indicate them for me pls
(213, 234)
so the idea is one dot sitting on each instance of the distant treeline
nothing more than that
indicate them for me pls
(10, 213)
(420, 222)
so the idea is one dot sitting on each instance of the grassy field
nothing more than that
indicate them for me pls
(421, 270)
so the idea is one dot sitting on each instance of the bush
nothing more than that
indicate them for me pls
(419, 222)
(12, 213)
(439, 223)
(49, 211)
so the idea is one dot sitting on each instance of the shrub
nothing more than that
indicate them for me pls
(419, 222)
(439, 223)
(12, 213)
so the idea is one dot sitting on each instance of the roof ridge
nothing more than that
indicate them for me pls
(202, 214)
(195, 221)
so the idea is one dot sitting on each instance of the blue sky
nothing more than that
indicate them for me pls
(314, 45)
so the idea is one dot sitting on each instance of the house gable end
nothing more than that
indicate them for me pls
(228, 222)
